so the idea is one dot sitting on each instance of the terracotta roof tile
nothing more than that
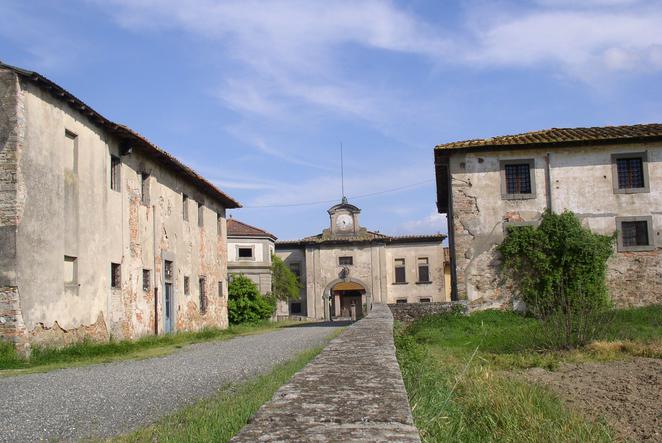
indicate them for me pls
(564, 137)
(241, 229)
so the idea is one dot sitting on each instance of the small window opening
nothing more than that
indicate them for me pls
(115, 276)
(245, 253)
(295, 308)
(70, 159)
(203, 295)
(401, 301)
(220, 289)
(201, 215)
(346, 261)
(70, 270)
(296, 269)
(424, 300)
(146, 280)
(144, 188)
(168, 271)
(187, 286)
(115, 171)
(185, 207)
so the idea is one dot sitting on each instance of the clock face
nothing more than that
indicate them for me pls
(344, 222)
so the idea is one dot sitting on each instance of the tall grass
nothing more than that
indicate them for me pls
(91, 352)
(457, 371)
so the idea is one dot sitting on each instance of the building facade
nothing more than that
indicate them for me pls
(102, 232)
(348, 268)
(250, 252)
(610, 177)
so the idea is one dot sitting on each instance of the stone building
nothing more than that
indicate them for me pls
(249, 253)
(348, 267)
(102, 232)
(611, 177)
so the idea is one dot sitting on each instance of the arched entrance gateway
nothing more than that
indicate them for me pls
(346, 296)
(347, 300)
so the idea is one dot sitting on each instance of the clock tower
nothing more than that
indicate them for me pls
(344, 219)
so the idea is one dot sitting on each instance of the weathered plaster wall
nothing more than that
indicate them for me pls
(414, 290)
(581, 181)
(296, 255)
(75, 213)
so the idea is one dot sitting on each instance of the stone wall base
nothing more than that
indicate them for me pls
(409, 312)
(12, 327)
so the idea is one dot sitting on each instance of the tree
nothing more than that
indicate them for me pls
(284, 284)
(245, 303)
(559, 269)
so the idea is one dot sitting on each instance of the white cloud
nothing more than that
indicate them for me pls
(431, 223)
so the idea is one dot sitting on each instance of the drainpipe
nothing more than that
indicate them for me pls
(548, 181)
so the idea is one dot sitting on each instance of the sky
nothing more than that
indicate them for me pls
(258, 96)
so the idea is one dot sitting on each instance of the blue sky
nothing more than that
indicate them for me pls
(257, 96)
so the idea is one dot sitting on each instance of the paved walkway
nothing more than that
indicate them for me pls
(351, 392)
(114, 398)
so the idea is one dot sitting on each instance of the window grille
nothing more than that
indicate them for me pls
(346, 261)
(146, 280)
(115, 276)
(630, 173)
(518, 179)
(203, 295)
(635, 233)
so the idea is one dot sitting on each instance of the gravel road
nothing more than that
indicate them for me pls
(114, 398)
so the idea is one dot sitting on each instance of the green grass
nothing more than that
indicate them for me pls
(459, 375)
(220, 417)
(89, 352)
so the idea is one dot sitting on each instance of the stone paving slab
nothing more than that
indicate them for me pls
(351, 392)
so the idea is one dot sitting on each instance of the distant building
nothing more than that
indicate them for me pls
(348, 267)
(610, 177)
(249, 253)
(102, 233)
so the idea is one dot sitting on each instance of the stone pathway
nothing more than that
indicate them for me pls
(352, 391)
(111, 399)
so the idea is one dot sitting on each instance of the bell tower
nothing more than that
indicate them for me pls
(344, 219)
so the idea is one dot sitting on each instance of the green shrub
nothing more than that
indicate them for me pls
(284, 284)
(246, 304)
(559, 270)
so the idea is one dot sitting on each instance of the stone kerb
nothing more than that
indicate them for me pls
(352, 391)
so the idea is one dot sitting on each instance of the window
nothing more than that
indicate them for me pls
(115, 276)
(219, 224)
(517, 180)
(185, 207)
(400, 275)
(401, 301)
(70, 159)
(630, 173)
(187, 285)
(115, 170)
(203, 295)
(144, 188)
(635, 233)
(146, 280)
(423, 270)
(346, 261)
(70, 270)
(245, 253)
(296, 269)
(220, 289)
(424, 300)
(201, 215)
(295, 308)
(168, 270)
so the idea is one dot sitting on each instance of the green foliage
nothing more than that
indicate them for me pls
(453, 368)
(558, 264)
(246, 304)
(284, 284)
(559, 270)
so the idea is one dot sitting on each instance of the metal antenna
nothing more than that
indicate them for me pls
(342, 175)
